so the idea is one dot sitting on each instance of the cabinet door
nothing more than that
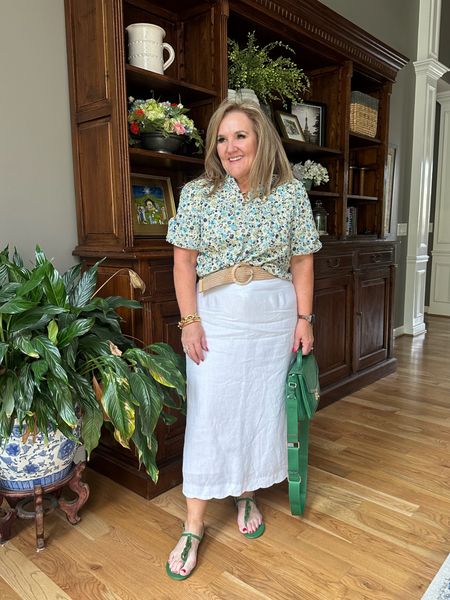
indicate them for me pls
(333, 305)
(161, 318)
(98, 110)
(372, 295)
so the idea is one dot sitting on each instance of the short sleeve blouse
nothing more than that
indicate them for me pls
(226, 229)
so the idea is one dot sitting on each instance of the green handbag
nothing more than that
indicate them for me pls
(302, 398)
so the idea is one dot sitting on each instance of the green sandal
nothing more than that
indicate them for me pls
(261, 528)
(184, 556)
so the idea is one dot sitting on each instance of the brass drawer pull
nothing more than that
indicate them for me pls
(334, 263)
(377, 258)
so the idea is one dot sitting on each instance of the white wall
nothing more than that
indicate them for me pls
(444, 39)
(37, 198)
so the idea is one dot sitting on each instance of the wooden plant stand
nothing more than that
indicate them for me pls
(46, 499)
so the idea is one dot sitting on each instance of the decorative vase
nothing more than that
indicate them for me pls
(146, 47)
(159, 143)
(246, 95)
(307, 184)
(24, 465)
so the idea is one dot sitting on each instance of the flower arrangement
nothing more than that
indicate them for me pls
(270, 78)
(146, 116)
(311, 170)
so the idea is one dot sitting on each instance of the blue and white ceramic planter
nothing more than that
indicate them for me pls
(24, 465)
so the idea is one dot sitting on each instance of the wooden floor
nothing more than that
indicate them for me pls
(377, 525)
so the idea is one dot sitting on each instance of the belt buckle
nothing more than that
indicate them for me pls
(234, 273)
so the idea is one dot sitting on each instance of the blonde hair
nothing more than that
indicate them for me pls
(271, 166)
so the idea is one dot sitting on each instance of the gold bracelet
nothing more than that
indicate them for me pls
(188, 319)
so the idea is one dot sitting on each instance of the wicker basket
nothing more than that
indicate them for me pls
(364, 114)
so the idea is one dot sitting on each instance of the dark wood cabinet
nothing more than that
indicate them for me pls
(372, 324)
(333, 303)
(353, 302)
(354, 271)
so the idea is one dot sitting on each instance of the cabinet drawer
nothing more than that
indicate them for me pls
(328, 265)
(373, 258)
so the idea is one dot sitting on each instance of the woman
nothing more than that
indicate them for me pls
(242, 322)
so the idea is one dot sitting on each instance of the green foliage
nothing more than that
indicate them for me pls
(63, 358)
(270, 78)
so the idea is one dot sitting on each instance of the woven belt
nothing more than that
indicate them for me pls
(241, 273)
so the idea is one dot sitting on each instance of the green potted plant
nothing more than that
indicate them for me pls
(269, 77)
(161, 126)
(67, 369)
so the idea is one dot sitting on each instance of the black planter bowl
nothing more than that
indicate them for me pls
(159, 143)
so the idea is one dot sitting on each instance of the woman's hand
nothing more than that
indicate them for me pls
(303, 336)
(194, 341)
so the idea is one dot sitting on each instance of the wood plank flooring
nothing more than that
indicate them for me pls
(376, 527)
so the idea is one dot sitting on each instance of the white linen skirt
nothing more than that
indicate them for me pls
(235, 437)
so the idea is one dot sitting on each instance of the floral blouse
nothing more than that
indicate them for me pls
(226, 229)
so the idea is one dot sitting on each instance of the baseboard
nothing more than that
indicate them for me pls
(399, 331)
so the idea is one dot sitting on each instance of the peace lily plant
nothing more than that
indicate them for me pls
(64, 361)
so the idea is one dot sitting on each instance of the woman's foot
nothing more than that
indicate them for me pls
(183, 558)
(250, 519)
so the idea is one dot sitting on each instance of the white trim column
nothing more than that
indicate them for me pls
(440, 268)
(429, 26)
(428, 71)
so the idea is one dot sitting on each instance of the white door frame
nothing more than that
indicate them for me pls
(440, 266)
(428, 71)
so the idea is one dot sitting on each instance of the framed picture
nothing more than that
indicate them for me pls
(289, 126)
(389, 188)
(311, 116)
(153, 204)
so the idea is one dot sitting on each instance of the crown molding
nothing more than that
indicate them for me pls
(330, 31)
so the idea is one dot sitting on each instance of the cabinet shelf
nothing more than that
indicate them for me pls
(148, 158)
(363, 236)
(359, 140)
(354, 198)
(143, 81)
(318, 193)
(294, 147)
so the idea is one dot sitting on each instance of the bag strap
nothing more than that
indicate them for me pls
(298, 470)
(297, 366)
(297, 437)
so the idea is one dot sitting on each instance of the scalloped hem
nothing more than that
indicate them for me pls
(235, 491)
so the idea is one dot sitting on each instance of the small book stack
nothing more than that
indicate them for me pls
(352, 221)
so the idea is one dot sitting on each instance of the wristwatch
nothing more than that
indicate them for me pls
(310, 318)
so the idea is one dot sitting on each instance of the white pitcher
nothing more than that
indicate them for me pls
(146, 47)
